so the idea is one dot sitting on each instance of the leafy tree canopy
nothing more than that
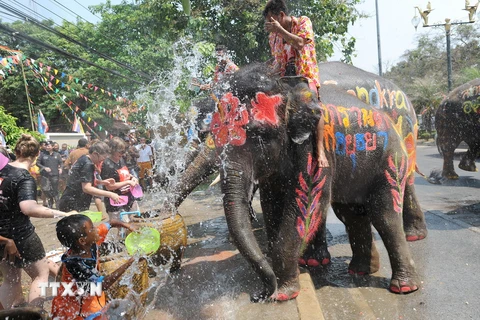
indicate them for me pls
(139, 37)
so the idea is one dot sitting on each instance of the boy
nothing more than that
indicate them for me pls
(292, 45)
(80, 265)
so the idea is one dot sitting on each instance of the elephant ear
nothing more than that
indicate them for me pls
(301, 114)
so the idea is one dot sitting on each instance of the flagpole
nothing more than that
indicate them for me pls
(30, 111)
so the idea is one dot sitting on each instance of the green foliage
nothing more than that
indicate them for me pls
(8, 123)
(422, 73)
(140, 35)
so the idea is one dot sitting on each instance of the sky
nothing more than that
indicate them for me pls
(397, 33)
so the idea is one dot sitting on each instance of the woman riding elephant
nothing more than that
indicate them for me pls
(265, 132)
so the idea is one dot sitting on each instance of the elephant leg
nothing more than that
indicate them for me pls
(468, 160)
(448, 150)
(389, 225)
(272, 206)
(414, 223)
(365, 258)
(284, 261)
(316, 253)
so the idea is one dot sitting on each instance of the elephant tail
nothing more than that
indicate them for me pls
(417, 170)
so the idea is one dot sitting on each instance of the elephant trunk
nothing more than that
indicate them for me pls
(237, 187)
(203, 165)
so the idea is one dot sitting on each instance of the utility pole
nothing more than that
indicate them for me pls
(379, 46)
(448, 25)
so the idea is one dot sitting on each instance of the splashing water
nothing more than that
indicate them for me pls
(165, 117)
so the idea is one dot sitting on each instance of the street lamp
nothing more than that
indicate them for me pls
(472, 9)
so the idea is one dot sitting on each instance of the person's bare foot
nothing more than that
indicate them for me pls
(322, 160)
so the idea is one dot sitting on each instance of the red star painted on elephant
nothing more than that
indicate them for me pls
(265, 108)
(227, 123)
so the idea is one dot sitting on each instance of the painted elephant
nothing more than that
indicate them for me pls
(458, 119)
(264, 132)
(368, 87)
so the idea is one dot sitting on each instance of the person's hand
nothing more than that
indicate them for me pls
(131, 227)
(272, 25)
(71, 213)
(59, 171)
(109, 181)
(48, 169)
(11, 251)
(133, 182)
(115, 197)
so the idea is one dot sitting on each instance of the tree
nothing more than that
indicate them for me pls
(13, 132)
(422, 73)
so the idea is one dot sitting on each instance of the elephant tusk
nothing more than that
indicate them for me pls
(214, 182)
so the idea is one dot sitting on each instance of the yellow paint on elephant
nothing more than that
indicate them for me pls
(410, 144)
(329, 140)
(400, 100)
(362, 94)
(210, 142)
(345, 119)
(367, 116)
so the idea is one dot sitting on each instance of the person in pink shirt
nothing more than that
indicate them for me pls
(292, 44)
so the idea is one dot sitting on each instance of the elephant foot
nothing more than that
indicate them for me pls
(289, 290)
(415, 237)
(315, 258)
(467, 165)
(363, 267)
(451, 175)
(313, 263)
(403, 287)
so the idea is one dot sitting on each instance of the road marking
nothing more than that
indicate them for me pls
(307, 303)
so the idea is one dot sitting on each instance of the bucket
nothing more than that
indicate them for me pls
(145, 241)
(139, 282)
(173, 233)
(93, 215)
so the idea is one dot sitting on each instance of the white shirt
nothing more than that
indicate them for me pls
(145, 152)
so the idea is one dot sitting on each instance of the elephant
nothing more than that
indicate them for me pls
(458, 119)
(368, 87)
(264, 133)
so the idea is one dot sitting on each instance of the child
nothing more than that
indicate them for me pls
(80, 264)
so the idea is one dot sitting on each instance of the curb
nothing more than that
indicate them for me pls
(307, 302)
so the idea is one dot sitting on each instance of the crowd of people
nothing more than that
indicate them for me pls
(94, 170)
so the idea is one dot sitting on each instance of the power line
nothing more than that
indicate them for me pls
(18, 34)
(87, 9)
(65, 9)
(62, 35)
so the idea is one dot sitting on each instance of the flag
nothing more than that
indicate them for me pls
(42, 123)
(77, 126)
